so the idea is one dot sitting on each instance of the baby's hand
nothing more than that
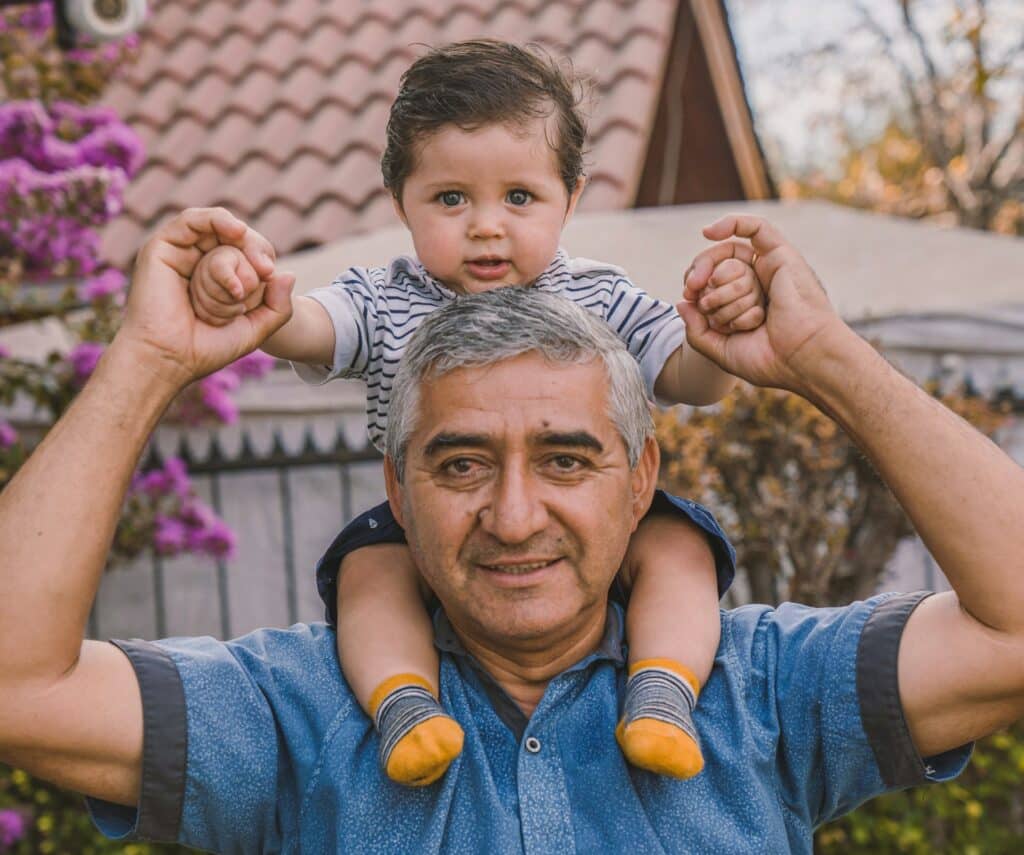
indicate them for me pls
(223, 286)
(733, 299)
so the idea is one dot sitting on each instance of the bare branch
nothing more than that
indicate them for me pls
(922, 49)
(929, 127)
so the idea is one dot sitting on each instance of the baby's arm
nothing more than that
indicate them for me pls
(224, 286)
(733, 301)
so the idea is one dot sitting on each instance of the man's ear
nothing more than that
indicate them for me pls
(645, 479)
(393, 487)
(399, 210)
(574, 198)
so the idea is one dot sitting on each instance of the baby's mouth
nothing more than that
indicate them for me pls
(488, 267)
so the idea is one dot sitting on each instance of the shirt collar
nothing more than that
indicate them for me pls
(555, 277)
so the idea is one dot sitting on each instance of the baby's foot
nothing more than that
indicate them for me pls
(418, 740)
(656, 731)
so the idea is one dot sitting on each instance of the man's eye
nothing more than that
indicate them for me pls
(450, 198)
(518, 197)
(566, 463)
(459, 466)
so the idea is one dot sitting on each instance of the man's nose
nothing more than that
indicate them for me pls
(516, 511)
(486, 222)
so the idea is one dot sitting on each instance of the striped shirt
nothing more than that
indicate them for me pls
(375, 310)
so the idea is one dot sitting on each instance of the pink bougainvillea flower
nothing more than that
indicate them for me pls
(12, 828)
(83, 358)
(253, 365)
(170, 535)
(102, 285)
(216, 540)
(171, 479)
(215, 393)
(8, 435)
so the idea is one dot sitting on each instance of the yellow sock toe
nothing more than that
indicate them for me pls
(425, 752)
(660, 747)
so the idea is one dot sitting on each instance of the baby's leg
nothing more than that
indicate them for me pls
(673, 627)
(386, 649)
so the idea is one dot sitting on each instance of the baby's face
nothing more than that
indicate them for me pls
(486, 207)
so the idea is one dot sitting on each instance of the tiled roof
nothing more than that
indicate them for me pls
(277, 109)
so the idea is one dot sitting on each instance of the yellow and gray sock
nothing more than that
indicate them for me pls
(418, 740)
(656, 731)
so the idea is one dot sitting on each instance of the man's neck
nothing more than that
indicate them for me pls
(524, 670)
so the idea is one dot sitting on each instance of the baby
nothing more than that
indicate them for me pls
(484, 160)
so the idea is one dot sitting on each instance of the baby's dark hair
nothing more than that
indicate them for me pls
(480, 82)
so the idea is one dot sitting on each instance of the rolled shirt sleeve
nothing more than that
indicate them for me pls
(826, 678)
(228, 747)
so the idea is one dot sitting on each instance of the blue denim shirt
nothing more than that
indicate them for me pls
(257, 745)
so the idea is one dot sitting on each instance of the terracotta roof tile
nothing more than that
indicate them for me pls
(301, 89)
(252, 183)
(230, 139)
(210, 97)
(278, 109)
(280, 50)
(255, 92)
(180, 144)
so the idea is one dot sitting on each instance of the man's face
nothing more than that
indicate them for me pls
(518, 500)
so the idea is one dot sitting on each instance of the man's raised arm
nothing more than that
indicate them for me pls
(71, 711)
(961, 660)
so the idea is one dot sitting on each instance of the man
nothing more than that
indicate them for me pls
(518, 478)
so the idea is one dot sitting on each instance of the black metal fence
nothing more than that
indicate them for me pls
(211, 472)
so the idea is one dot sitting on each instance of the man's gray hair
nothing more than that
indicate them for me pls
(481, 329)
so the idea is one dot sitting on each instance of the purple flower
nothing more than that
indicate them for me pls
(56, 154)
(170, 535)
(83, 358)
(8, 435)
(12, 827)
(23, 127)
(206, 532)
(214, 392)
(114, 145)
(110, 281)
(37, 19)
(253, 365)
(216, 540)
(173, 478)
(4, 352)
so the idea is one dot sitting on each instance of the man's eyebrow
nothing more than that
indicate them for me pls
(451, 439)
(570, 439)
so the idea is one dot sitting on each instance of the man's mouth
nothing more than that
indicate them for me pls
(488, 267)
(520, 568)
(519, 574)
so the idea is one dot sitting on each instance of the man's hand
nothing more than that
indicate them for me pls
(223, 286)
(799, 316)
(160, 327)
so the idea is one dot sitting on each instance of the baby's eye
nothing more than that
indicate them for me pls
(518, 197)
(450, 198)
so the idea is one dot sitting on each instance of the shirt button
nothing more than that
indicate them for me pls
(532, 744)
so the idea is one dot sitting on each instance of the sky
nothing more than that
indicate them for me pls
(786, 100)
